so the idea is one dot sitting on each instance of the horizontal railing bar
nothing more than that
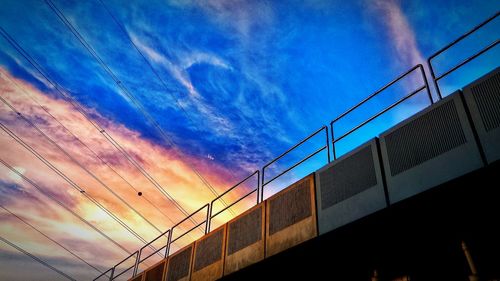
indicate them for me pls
(104, 273)
(152, 241)
(131, 255)
(185, 233)
(234, 203)
(123, 272)
(192, 214)
(379, 113)
(377, 92)
(467, 60)
(295, 146)
(295, 165)
(236, 185)
(463, 36)
(164, 247)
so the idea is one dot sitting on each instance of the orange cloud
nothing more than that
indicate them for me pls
(168, 169)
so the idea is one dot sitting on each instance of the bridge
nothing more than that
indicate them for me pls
(418, 201)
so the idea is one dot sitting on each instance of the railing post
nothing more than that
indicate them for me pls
(433, 75)
(258, 187)
(112, 273)
(137, 260)
(262, 185)
(167, 248)
(424, 76)
(208, 221)
(333, 142)
(327, 144)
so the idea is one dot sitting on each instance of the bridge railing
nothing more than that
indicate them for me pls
(261, 179)
(436, 78)
(246, 195)
(425, 86)
(317, 151)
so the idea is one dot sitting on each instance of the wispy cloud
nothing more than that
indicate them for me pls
(179, 72)
(170, 169)
(401, 34)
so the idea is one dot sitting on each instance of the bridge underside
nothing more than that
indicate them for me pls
(419, 237)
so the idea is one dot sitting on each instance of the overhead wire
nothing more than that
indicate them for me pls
(71, 182)
(129, 95)
(77, 106)
(85, 145)
(74, 160)
(61, 204)
(39, 260)
(43, 108)
(50, 238)
(64, 206)
(165, 86)
(82, 111)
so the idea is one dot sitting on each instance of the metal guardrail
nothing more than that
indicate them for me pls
(261, 181)
(411, 70)
(170, 241)
(462, 63)
(326, 146)
(138, 260)
(113, 269)
(237, 201)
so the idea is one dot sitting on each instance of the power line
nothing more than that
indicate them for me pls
(81, 110)
(44, 263)
(48, 237)
(84, 144)
(167, 89)
(122, 87)
(96, 155)
(55, 200)
(19, 114)
(61, 204)
(68, 180)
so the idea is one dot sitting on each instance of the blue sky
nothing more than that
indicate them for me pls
(231, 84)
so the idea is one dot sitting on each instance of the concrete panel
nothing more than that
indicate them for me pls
(179, 264)
(156, 272)
(483, 100)
(350, 187)
(245, 239)
(291, 216)
(209, 255)
(430, 148)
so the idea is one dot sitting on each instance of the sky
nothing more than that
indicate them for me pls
(182, 99)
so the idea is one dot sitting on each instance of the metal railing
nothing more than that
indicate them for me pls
(206, 222)
(170, 241)
(414, 92)
(465, 61)
(326, 146)
(113, 269)
(139, 260)
(256, 190)
(261, 180)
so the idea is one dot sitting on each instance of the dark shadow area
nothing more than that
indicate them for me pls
(419, 237)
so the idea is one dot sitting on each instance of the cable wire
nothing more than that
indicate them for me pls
(165, 86)
(96, 155)
(82, 111)
(122, 87)
(55, 200)
(74, 160)
(39, 260)
(85, 145)
(73, 184)
(48, 237)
